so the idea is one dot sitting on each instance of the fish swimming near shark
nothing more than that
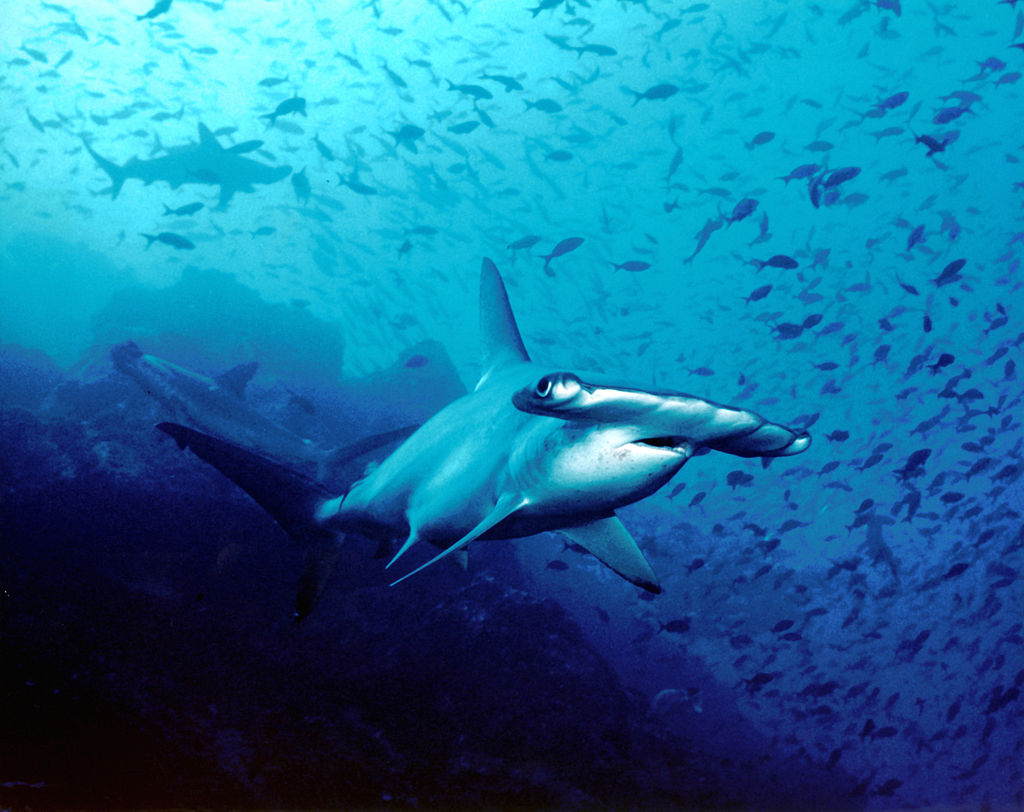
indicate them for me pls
(205, 162)
(531, 449)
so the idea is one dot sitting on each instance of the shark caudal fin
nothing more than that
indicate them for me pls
(291, 498)
(499, 334)
(117, 174)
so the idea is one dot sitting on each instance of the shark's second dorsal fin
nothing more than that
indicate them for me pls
(207, 138)
(499, 335)
(610, 542)
(236, 378)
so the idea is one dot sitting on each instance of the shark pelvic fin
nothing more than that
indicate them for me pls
(499, 335)
(237, 378)
(402, 550)
(610, 542)
(507, 505)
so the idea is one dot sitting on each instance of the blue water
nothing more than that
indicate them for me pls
(853, 631)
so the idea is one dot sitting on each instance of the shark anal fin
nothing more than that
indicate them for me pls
(610, 542)
(506, 506)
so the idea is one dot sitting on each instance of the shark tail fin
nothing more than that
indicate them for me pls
(117, 173)
(291, 498)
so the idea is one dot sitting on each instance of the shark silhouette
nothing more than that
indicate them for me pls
(529, 450)
(205, 162)
(218, 406)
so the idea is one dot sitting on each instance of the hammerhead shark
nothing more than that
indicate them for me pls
(205, 162)
(530, 449)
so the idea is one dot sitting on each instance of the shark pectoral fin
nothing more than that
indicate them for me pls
(610, 542)
(506, 506)
(320, 560)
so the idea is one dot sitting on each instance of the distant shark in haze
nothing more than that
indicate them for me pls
(531, 449)
(205, 162)
(218, 406)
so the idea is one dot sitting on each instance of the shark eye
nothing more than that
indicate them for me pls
(544, 387)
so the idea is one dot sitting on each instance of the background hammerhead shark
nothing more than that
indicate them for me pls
(527, 451)
(205, 162)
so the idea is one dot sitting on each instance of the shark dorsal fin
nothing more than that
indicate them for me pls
(499, 335)
(610, 542)
(236, 378)
(207, 138)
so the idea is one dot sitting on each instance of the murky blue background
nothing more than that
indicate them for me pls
(897, 683)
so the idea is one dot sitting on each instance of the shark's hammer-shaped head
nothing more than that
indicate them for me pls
(620, 444)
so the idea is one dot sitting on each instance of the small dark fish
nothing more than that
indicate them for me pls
(956, 570)
(951, 273)
(166, 237)
(300, 183)
(548, 106)
(782, 625)
(632, 265)
(464, 127)
(474, 91)
(507, 82)
(245, 146)
(680, 626)
(742, 210)
(738, 479)
(564, 247)
(296, 104)
(272, 81)
(838, 176)
(557, 565)
(160, 7)
(524, 242)
(788, 330)
(560, 155)
(183, 211)
(778, 261)
(944, 361)
(761, 139)
(416, 361)
(655, 93)
(758, 294)
(407, 134)
(801, 172)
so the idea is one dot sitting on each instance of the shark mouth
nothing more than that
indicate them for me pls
(681, 445)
